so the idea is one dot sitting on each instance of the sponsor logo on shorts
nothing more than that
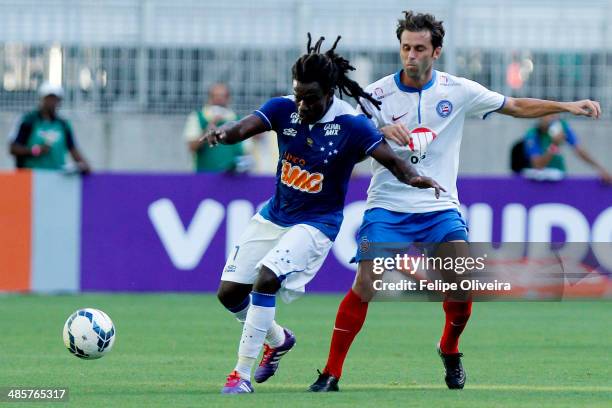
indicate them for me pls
(230, 269)
(364, 244)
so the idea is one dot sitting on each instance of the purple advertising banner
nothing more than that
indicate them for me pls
(172, 232)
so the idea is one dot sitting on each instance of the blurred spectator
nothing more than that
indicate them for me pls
(263, 149)
(214, 114)
(539, 155)
(42, 138)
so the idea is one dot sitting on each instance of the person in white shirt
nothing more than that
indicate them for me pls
(422, 117)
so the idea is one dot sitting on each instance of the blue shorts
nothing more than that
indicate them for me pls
(386, 227)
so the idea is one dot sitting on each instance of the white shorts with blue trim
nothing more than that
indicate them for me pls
(295, 254)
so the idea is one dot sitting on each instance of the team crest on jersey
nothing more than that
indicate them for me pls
(295, 118)
(444, 108)
(299, 179)
(420, 139)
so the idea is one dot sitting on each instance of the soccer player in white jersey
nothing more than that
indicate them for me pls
(320, 138)
(422, 117)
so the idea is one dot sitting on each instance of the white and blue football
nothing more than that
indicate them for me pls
(89, 334)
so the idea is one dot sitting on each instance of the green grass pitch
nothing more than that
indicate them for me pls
(175, 351)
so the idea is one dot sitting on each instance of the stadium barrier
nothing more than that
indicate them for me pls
(172, 232)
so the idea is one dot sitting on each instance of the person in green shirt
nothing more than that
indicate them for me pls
(43, 138)
(542, 146)
(212, 115)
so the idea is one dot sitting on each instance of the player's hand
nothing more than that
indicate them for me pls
(585, 107)
(83, 167)
(426, 182)
(398, 133)
(44, 149)
(212, 137)
(606, 177)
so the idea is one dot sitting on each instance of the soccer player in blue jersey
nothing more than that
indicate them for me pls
(422, 117)
(320, 139)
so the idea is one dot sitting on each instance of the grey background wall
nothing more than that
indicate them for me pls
(124, 142)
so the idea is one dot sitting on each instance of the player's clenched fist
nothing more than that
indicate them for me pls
(585, 107)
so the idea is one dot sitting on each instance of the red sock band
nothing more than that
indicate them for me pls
(349, 320)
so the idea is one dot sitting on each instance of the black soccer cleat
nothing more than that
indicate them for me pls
(325, 383)
(455, 374)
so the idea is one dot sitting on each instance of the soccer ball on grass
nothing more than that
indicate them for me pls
(89, 334)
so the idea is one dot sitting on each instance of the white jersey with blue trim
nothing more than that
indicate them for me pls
(435, 116)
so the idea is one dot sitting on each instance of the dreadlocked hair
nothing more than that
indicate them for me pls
(330, 70)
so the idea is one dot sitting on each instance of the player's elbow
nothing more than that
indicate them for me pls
(512, 107)
(394, 164)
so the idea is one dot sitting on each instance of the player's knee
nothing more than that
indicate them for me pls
(231, 294)
(363, 286)
(365, 292)
(466, 309)
(224, 296)
(460, 310)
(267, 281)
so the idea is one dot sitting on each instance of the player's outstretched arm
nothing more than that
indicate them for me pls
(80, 161)
(234, 132)
(586, 157)
(535, 108)
(403, 171)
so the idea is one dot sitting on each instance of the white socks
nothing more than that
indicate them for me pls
(259, 320)
(275, 336)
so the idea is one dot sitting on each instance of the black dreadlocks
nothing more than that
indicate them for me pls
(330, 71)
